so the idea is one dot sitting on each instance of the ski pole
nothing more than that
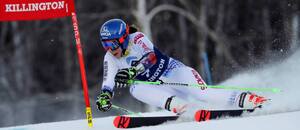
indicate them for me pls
(124, 110)
(274, 90)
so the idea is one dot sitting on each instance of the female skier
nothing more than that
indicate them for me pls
(132, 56)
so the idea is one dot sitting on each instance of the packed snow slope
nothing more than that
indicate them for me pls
(282, 113)
(282, 121)
(283, 75)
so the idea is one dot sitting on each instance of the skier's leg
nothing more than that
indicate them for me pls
(220, 97)
(185, 74)
(160, 96)
(228, 98)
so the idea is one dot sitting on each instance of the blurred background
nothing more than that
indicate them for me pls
(39, 71)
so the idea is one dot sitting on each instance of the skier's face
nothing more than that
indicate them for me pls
(117, 52)
(113, 46)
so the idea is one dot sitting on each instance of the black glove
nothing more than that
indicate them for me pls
(125, 75)
(103, 101)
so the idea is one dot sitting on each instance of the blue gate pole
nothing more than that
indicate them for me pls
(207, 71)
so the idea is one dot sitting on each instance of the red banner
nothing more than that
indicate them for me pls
(13, 10)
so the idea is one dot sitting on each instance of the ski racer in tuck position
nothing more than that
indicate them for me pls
(132, 56)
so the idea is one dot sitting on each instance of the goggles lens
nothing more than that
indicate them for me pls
(110, 44)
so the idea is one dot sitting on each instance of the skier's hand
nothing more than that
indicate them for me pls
(123, 77)
(103, 101)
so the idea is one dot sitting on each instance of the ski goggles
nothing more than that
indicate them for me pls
(111, 44)
(114, 44)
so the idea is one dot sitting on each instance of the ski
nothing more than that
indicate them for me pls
(133, 122)
(200, 115)
(205, 115)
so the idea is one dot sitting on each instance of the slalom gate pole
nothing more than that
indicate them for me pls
(67, 9)
(274, 90)
(82, 70)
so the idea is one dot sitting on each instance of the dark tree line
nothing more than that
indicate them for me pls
(39, 72)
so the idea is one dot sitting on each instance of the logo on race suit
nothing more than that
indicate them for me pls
(173, 64)
(147, 72)
(158, 70)
(105, 73)
(232, 98)
(198, 78)
(137, 37)
(105, 32)
(131, 60)
(144, 46)
(141, 42)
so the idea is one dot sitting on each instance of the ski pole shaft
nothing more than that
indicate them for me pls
(274, 90)
(124, 110)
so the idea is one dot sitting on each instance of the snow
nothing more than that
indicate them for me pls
(283, 75)
(286, 121)
(282, 113)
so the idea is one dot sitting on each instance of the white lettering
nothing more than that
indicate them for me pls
(42, 6)
(24, 8)
(18, 8)
(75, 26)
(105, 32)
(158, 70)
(29, 7)
(35, 7)
(54, 5)
(48, 4)
(61, 4)
(8, 8)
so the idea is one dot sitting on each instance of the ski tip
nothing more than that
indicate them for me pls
(197, 115)
(202, 115)
(121, 121)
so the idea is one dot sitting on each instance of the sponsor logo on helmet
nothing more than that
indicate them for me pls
(105, 32)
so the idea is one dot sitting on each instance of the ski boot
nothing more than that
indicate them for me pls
(251, 100)
(176, 105)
